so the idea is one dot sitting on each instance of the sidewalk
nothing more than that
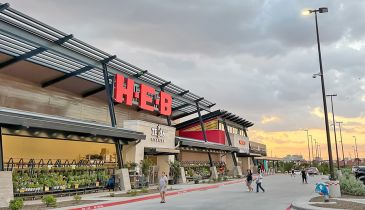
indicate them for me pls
(113, 201)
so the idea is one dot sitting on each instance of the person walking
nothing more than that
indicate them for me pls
(258, 183)
(249, 180)
(292, 173)
(304, 176)
(163, 187)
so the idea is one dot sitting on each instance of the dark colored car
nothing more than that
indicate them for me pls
(362, 178)
(360, 172)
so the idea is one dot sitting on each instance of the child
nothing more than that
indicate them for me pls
(258, 183)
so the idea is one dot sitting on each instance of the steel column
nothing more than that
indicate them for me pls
(1, 151)
(112, 113)
(204, 133)
(229, 142)
(168, 118)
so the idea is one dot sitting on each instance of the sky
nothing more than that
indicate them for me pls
(254, 58)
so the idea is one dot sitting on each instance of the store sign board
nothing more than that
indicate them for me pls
(241, 142)
(124, 92)
(157, 134)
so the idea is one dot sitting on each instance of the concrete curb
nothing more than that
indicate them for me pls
(305, 205)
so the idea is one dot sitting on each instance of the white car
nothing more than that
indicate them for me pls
(354, 168)
(312, 171)
(297, 172)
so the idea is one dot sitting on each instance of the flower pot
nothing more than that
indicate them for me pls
(76, 186)
(22, 190)
(46, 188)
(97, 184)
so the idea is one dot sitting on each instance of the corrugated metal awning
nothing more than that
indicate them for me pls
(12, 117)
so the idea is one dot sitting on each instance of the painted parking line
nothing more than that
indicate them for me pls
(150, 197)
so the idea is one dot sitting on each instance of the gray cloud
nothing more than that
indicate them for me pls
(254, 58)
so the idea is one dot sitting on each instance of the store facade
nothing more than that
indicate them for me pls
(65, 105)
(220, 128)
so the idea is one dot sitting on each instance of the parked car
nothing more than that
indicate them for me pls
(313, 171)
(360, 172)
(362, 178)
(297, 172)
(354, 169)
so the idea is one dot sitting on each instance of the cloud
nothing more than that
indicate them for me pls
(253, 58)
(269, 119)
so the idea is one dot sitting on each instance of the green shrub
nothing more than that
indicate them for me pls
(77, 198)
(144, 190)
(351, 186)
(112, 194)
(225, 178)
(132, 192)
(49, 200)
(219, 179)
(16, 204)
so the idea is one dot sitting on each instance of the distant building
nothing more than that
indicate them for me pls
(293, 158)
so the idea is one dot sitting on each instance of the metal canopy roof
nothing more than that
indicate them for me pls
(218, 113)
(12, 117)
(27, 39)
(202, 144)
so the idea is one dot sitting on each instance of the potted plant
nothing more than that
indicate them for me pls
(145, 167)
(175, 170)
(197, 178)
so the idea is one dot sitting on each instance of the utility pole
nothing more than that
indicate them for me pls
(343, 153)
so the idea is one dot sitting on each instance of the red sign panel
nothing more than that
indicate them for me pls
(124, 92)
(241, 142)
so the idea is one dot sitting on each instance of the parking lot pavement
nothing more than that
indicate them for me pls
(280, 192)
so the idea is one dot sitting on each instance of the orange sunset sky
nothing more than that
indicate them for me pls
(287, 142)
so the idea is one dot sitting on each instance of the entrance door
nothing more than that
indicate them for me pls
(153, 175)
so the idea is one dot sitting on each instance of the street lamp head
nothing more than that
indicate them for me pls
(306, 12)
(323, 10)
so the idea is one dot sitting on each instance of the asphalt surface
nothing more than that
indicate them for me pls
(280, 191)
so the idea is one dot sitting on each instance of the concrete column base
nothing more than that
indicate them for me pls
(214, 172)
(334, 189)
(182, 176)
(237, 172)
(6, 192)
(122, 177)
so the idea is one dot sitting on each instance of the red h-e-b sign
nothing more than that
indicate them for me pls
(125, 93)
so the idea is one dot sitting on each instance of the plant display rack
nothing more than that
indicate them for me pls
(32, 179)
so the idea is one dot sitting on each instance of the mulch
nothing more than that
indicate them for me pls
(340, 204)
(59, 205)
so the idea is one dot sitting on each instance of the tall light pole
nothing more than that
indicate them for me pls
(323, 10)
(312, 147)
(320, 152)
(356, 151)
(334, 129)
(315, 145)
(309, 151)
(343, 154)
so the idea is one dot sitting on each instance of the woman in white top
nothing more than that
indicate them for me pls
(163, 187)
(259, 182)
